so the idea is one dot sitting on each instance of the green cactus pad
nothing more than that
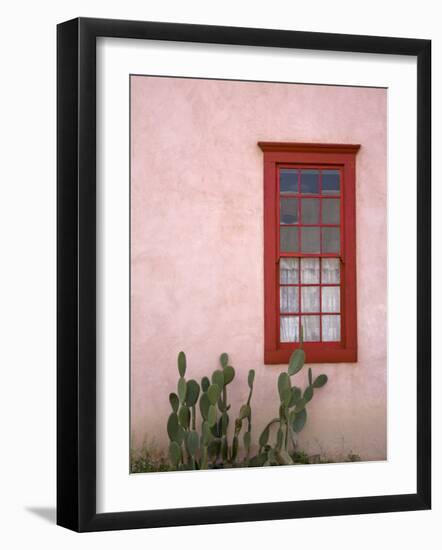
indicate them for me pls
(320, 381)
(213, 393)
(296, 394)
(286, 396)
(300, 420)
(192, 443)
(182, 363)
(182, 389)
(218, 379)
(245, 411)
(193, 391)
(283, 383)
(310, 377)
(172, 426)
(229, 375)
(206, 436)
(247, 440)
(205, 383)
(204, 406)
(224, 423)
(308, 394)
(180, 435)
(174, 401)
(221, 406)
(297, 361)
(251, 378)
(184, 417)
(300, 405)
(292, 417)
(264, 437)
(211, 417)
(224, 360)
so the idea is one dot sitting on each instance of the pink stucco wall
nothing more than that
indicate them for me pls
(197, 249)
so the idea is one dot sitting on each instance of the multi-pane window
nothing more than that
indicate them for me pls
(310, 251)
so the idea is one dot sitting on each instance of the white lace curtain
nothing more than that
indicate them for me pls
(310, 271)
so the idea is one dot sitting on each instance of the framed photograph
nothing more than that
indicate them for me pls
(244, 326)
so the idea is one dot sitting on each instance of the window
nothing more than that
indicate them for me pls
(310, 251)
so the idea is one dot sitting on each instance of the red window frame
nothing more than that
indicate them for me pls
(321, 156)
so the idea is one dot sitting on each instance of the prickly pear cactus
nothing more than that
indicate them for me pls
(217, 444)
(292, 415)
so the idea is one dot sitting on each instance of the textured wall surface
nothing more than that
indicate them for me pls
(197, 249)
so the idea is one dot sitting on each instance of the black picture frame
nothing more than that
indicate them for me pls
(76, 273)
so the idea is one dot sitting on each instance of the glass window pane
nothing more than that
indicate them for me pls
(331, 328)
(330, 270)
(331, 239)
(331, 184)
(310, 328)
(331, 299)
(310, 182)
(289, 211)
(331, 211)
(310, 299)
(288, 299)
(310, 211)
(310, 240)
(289, 239)
(289, 271)
(310, 271)
(289, 328)
(288, 181)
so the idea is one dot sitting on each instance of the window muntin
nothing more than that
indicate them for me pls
(309, 254)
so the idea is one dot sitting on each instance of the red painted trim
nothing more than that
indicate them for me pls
(270, 258)
(281, 147)
(307, 155)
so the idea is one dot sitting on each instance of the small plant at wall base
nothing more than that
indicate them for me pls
(206, 443)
